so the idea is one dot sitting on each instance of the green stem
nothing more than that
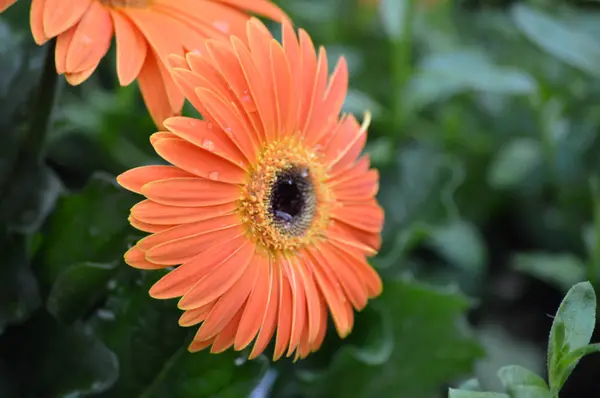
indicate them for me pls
(594, 265)
(34, 142)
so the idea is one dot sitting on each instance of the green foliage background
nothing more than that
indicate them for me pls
(486, 135)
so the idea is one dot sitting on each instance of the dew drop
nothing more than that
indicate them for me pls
(192, 123)
(208, 145)
(209, 125)
(228, 131)
(222, 26)
(213, 175)
(87, 40)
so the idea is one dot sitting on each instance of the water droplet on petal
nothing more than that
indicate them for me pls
(222, 26)
(192, 123)
(208, 145)
(213, 175)
(228, 131)
(87, 40)
(209, 125)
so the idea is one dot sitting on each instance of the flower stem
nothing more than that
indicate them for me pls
(34, 143)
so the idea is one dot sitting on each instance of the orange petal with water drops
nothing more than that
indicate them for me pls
(285, 314)
(195, 316)
(154, 91)
(136, 258)
(134, 179)
(230, 121)
(131, 48)
(187, 88)
(220, 280)
(269, 319)
(179, 281)
(157, 213)
(366, 215)
(91, 39)
(60, 15)
(257, 304)
(147, 227)
(181, 250)
(206, 136)
(36, 20)
(198, 161)
(226, 337)
(190, 191)
(230, 303)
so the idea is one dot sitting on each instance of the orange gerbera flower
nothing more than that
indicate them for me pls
(268, 208)
(146, 32)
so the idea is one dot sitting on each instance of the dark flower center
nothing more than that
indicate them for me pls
(292, 201)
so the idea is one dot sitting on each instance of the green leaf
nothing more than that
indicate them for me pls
(393, 15)
(557, 38)
(562, 270)
(143, 332)
(60, 361)
(461, 244)
(77, 289)
(470, 385)
(90, 225)
(452, 393)
(514, 162)
(442, 75)
(577, 313)
(515, 375)
(530, 392)
(19, 293)
(417, 315)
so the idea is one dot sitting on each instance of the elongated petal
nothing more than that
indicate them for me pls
(60, 15)
(135, 179)
(131, 48)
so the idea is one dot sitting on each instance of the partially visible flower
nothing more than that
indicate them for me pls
(146, 32)
(268, 207)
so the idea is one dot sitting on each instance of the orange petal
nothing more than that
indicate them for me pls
(284, 318)
(230, 304)
(131, 48)
(63, 41)
(60, 15)
(312, 124)
(257, 305)
(209, 232)
(199, 161)
(312, 300)
(179, 281)
(269, 319)
(134, 179)
(226, 337)
(76, 78)
(156, 213)
(367, 241)
(366, 274)
(136, 258)
(333, 294)
(36, 20)
(147, 227)
(292, 52)
(91, 39)
(197, 345)
(366, 215)
(206, 136)
(220, 280)
(298, 304)
(282, 79)
(308, 57)
(263, 7)
(4, 4)
(154, 91)
(195, 316)
(361, 187)
(328, 257)
(190, 191)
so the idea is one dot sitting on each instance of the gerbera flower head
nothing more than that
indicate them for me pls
(146, 32)
(268, 210)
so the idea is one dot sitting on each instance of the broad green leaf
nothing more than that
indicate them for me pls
(514, 162)
(418, 314)
(577, 313)
(514, 375)
(77, 289)
(461, 244)
(452, 393)
(60, 361)
(557, 38)
(442, 75)
(530, 392)
(562, 270)
(19, 293)
(394, 15)
(90, 225)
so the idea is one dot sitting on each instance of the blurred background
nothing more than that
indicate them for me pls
(485, 132)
